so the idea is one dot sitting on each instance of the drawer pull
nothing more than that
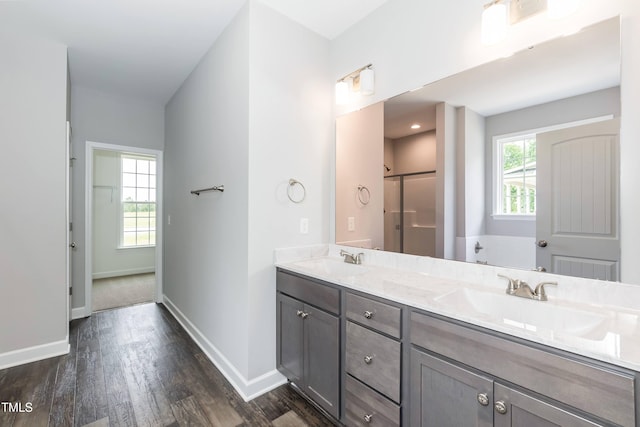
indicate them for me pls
(368, 418)
(368, 360)
(299, 313)
(483, 399)
(500, 407)
(302, 314)
(368, 314)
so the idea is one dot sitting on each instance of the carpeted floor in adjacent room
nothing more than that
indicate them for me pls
(123, 291)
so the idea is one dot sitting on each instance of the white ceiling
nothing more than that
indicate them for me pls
(568, 66)
(146, 48)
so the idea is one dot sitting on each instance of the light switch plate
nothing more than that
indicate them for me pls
(304, 225)
(351, 224)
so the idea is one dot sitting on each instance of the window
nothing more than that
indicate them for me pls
(138, 201)
(516, 175)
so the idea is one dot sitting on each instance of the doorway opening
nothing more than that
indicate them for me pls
(123, 260)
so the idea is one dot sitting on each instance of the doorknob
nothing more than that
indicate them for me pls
(72, 245)
(542, 243)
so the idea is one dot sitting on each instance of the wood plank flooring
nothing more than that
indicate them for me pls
(136, 366)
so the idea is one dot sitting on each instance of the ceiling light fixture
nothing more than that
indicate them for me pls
(495, 22)
(359, 81)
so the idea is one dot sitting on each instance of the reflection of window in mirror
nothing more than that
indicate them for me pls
(516, 175)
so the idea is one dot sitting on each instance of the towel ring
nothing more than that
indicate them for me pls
(364, 195)
(293, 183)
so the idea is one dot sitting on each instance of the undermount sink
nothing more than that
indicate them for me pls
(523, 313)
(332, 266)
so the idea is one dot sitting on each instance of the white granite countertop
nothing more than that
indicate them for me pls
(593, 318)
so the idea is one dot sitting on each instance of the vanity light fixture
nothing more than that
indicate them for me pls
(342, 92)
(495, 22)
(558, 9)
(498, 15)
(415, 126)
(358, 81)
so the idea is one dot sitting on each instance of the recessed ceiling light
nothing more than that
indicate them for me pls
(415, 126)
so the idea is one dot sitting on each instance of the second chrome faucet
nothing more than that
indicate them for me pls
(351, 258)
(519, 288)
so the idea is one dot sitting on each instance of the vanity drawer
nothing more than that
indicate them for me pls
(590, 386)
(365, 407)
(376, 315)
(314, 293)
(374, 359)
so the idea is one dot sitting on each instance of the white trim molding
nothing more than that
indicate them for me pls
(248, 389)
(88, 216)
(79, 313)
(33, 354)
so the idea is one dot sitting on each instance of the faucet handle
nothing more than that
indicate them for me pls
(358, 258)
(513, 284)
(539, 293)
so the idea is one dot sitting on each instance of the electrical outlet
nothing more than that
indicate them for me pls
(351, 224)
(304, 225)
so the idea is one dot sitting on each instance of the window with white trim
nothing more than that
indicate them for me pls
(516, 175)
(138, 201)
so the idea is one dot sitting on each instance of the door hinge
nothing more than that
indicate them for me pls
(70, 226)
(70, 290)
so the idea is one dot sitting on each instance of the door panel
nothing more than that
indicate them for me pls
(322, 358)
(69, 206)
(446, 395)
(525, 411)
(290, 351)
(577, 225)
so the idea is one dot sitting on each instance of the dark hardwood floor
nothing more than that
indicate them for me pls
(137, 366)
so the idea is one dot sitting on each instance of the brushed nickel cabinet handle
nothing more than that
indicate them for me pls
(483, 399)
(368, 360)
(368, 314)
(500, 407)
(368, 418)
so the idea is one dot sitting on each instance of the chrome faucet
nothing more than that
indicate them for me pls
(520, 288)
(351, 258)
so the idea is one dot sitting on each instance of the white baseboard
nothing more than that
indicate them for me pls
(79, 313)
(119, 273)
(248, 389)
(33, 354)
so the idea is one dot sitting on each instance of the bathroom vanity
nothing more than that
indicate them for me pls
(415, 341)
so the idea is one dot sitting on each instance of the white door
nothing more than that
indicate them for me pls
(577, 220)
(70, 243)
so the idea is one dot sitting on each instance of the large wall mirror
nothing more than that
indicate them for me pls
(514, 163)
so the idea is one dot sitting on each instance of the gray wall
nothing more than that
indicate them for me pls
(112, 119)
(251, 124)
(33, 251)
(595, 104)
(470, 188)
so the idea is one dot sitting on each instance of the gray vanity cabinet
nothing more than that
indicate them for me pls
(373, 362)
(308, 339)
(460, 373)
(447, 395)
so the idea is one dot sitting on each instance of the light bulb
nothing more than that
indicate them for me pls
(494, 23)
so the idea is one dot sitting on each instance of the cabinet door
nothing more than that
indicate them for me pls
(446, 395)
(322, 358)
(289, 338)
(517, 409)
